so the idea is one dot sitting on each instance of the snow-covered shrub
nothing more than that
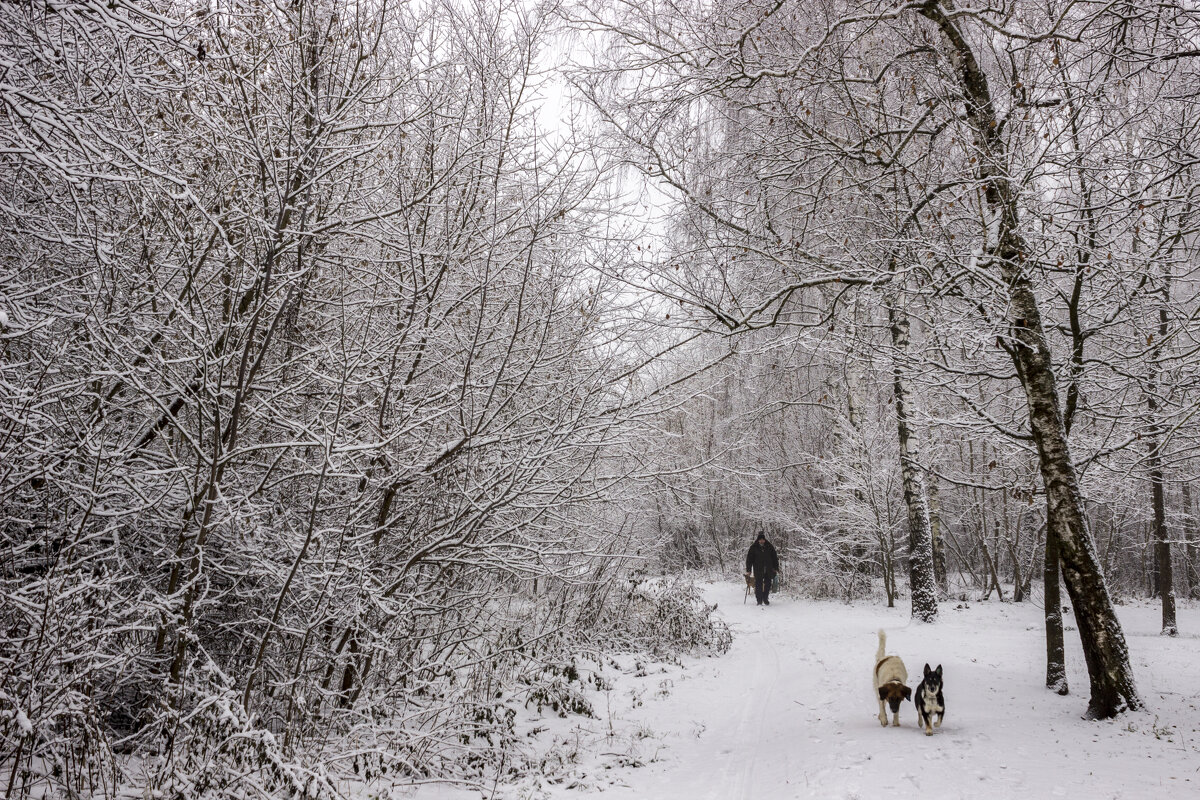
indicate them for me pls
(557, 688)
(821, 573)
(664, 617)
(220, 751)
(56, 671)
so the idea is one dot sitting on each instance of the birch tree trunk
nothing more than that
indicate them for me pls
(1113, 689)
(920, 539)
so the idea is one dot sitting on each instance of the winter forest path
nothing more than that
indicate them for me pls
(789, 712)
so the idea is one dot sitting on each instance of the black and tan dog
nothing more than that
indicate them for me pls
(929, 700)
(890, 679)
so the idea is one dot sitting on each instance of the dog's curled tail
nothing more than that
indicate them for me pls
(881, 652)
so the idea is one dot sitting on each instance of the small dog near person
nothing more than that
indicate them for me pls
(929, 700)
(890, 679)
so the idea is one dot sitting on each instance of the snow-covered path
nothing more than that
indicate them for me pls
(789, 713)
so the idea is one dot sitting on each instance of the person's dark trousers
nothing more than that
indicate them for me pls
(762, 588)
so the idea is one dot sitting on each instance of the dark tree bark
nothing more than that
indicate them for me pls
(1056, 658)
(856, 554)
(920, 540)
(1113, 689)
(1189, 536)
(1162, 545)
(1164, 585)
(935, 537)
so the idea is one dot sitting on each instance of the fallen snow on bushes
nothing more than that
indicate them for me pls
(789, 713)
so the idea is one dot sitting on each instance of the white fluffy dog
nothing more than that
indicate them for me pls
(889, 679)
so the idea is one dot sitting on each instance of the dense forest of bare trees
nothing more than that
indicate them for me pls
(309, 391)
(340, 399)
(993, 211)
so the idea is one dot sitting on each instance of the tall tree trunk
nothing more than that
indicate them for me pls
(935, 537)
(860, 552)
(1056, 662)
(920, 539)
(1014, 556)
(1162, 547)
(1149, 556)
(1113, 689)
(887, 550)
(1056, 657)
(1190, 536)
(1164, 584)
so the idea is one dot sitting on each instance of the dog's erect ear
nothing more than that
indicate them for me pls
(907, 693)
(883, 693)
(927, 670)
(939, 670)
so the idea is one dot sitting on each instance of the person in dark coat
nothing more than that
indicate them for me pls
(763, 562)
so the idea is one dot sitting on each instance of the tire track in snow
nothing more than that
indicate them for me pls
(764, 679)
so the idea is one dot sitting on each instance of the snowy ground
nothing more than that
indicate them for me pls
(789, 714)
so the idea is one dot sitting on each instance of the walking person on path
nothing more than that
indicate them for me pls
(763, 562)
